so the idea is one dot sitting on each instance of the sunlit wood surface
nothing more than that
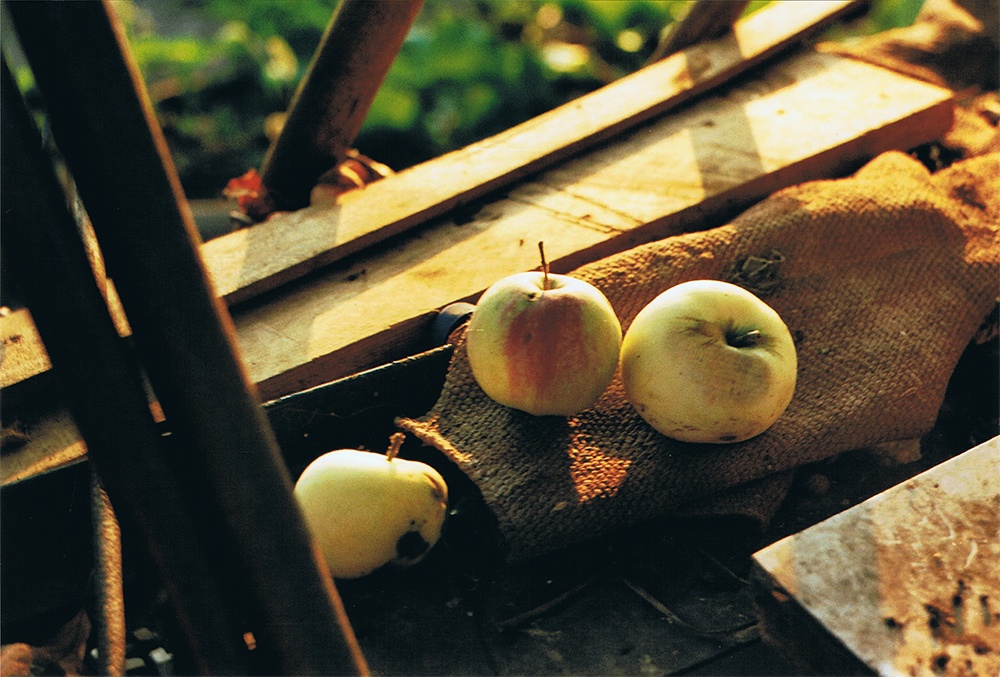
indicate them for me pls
(810, 116)
(250, 261)
(904, 583)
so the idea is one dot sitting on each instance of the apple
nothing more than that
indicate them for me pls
(707, 361)
(543, 343)
(368, 510)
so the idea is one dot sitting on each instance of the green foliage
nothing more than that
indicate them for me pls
(471, 69)
(467, 70)
(883, 15)
(186, 65)
(299, 22)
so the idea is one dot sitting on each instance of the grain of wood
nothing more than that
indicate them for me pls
(906, 581)
(22, 355)
(688, 171)
(53, 441)
(705, 19)
(248, 262)
(355, 53)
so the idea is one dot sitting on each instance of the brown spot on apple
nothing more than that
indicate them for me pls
(438, 492)
(749, 378)
(411, 546)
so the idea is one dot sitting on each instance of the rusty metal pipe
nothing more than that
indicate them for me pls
(104, 387)
(355, 54)
(104, 125)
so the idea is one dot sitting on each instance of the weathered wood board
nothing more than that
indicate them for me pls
(247, 262)
(811, 116)
(905, 583)
(692, 169)
(22, 355)
(54, 441)
(676, 173)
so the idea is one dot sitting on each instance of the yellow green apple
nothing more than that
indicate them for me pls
(543, 343)
(707, 361)
(368, 510)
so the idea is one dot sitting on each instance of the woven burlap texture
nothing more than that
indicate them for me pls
(883, 278)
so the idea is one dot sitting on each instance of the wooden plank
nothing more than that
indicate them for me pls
(905, 583)
(355, 53)
(22, 355)
(54, 441)
(249, 261)
(690, 170)
(184, 338)
(705, 20)
(725, 152)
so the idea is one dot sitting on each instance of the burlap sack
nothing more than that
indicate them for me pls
(883, 279)
(952, 43)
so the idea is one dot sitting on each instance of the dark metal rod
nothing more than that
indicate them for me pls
(355, 54)
(705, 20)
(104, 125)
(103, 385)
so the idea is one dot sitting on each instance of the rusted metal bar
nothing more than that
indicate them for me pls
(705, 20)
(103, 386)
(355, 54)
(104, 125)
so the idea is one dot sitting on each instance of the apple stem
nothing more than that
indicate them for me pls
(747, 339)
(395, 442)
(545, 265)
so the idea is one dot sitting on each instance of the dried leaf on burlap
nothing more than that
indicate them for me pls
(883, 279)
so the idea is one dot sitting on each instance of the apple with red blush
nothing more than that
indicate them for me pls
(543, 343)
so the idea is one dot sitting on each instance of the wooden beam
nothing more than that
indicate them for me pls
(705, 20)
(686, 171)
(248, 262)
(23, 356)
(903, 583)
(353, 58)
(691, 170)
(54, 441)
(235, 479)
(102, 383)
